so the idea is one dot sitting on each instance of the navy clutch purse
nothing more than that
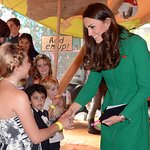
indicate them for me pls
(111, 111)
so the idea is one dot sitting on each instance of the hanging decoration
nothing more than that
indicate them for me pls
(128, 9)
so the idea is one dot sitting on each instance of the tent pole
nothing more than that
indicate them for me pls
(71, 71)
(57, 38)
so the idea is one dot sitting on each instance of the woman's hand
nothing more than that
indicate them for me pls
(72, 110)
(113, 120)
(70, 113)
(67, 122)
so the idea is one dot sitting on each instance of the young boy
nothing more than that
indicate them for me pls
(54, 105)
(37, 95)
(14, 26)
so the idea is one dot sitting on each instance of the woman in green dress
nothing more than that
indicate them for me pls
(123, 60)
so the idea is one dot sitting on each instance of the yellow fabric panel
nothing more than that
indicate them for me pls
(74, 27)
(17, 5)
(131, 24)
(75, 23)
(71, 26)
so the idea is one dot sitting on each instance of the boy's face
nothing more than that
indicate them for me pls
(37, 100)
(13, 28)
(52, 91)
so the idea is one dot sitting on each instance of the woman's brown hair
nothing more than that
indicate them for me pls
(105, 55)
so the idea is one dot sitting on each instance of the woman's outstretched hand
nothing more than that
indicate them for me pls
(72, 110)
(67, 121)
(70, 114)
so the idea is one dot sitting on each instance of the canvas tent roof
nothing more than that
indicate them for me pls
(45, 12)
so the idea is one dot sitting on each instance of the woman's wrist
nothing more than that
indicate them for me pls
(122, 118)
(75, 107)
(59, 124)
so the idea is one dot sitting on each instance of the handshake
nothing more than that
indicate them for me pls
(66, 119)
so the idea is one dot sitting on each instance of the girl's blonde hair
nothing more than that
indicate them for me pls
(49, 81)
(11, 56)
(34, 70)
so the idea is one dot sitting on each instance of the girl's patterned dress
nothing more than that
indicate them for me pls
(13, 135)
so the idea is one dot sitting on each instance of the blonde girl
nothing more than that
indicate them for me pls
(18, 129)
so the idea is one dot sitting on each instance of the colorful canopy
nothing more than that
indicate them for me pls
(45, 12)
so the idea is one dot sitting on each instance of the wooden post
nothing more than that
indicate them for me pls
(71, 71)
(57, 38)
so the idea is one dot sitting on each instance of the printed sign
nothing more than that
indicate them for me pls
(49, 42)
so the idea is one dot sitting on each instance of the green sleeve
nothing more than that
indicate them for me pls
(141, 60)
(90, 88)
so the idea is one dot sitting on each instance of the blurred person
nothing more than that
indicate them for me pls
(4, 31)
(76, 84)
(95, 105)
(26, 42)
(54, 105)
(14, 26)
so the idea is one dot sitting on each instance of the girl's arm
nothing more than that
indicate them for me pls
(23, 110)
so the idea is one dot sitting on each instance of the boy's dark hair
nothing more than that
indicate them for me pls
(15, 21)
(35, 88)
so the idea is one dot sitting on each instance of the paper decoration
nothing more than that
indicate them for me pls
(128, 9)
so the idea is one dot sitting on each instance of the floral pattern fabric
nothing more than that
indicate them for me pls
(13, 135)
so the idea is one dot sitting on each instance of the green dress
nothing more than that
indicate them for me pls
(128, 83)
